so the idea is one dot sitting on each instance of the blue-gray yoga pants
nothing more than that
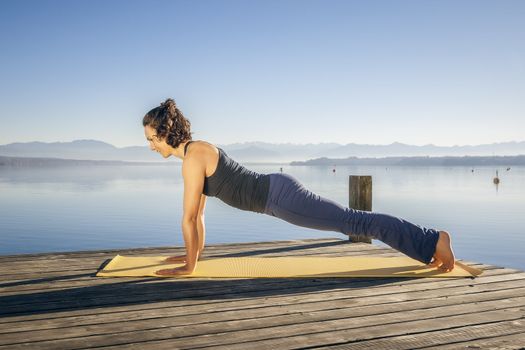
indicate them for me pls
(289, 200)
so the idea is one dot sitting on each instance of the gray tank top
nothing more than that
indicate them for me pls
(235, 185)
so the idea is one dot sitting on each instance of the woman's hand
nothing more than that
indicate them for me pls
(178, 271)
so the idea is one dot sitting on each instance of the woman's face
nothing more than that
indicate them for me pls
(155, 143)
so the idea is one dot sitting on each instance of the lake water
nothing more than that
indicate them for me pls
(102, 207)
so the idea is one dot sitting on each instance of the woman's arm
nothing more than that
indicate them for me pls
(191, 241)
(201, 230)
(193, 172)
(201, 227)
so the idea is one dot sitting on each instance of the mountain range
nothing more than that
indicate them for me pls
(256, 152)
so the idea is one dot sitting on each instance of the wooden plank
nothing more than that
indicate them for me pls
(493, 335)
(51, 265)
(206, 287)
(135, 293)
(35, 275)
(20, 287)
(35, 278)
(203, 313)
(80, 272)
(301, 334)
(329, 332)
(268, 246)
(489, 337)
(184, 309)
(360, 198)
(9, 287)
(200, 323)
(155, 250)
(53, 307)
(338, 285)
(224, 251)
(285, 247)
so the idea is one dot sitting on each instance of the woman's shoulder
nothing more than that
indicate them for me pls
(203, 147)
(206, 152)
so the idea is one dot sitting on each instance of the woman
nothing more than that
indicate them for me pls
(208, 171)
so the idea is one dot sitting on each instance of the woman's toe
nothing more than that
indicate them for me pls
(435, 263)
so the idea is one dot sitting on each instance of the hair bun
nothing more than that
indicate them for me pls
(170, 106)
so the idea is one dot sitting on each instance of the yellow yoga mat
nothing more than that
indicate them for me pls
(295, 267)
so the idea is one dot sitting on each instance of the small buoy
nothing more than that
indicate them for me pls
(508, 168)
(472, 170)
(496, 179)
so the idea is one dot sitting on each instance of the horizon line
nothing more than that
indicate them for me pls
(275, 143)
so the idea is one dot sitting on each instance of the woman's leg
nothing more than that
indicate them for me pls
(289, 200)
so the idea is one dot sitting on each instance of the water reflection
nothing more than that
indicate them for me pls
(98, 207)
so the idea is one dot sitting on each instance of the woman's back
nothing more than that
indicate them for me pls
(230, 181)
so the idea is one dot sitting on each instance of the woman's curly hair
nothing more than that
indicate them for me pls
(169, 122)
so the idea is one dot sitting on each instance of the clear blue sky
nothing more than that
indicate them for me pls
(374, 72)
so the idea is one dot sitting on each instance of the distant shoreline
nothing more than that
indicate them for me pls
(388, 161)
(420, 161)
(35, 161)
(47, 162)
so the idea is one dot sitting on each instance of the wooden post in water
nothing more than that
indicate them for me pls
(360, 198)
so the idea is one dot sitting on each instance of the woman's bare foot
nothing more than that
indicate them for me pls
(444, 256)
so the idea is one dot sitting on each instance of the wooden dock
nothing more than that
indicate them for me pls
(53, 301)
